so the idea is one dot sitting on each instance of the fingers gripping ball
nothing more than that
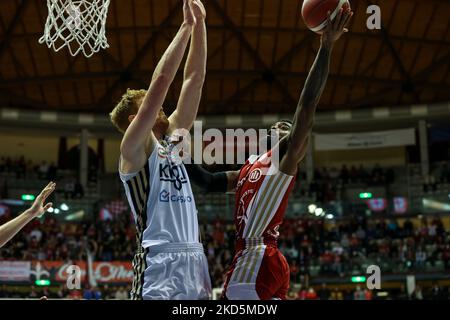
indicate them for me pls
(314, 12)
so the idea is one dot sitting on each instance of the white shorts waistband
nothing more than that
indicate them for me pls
(176, 247)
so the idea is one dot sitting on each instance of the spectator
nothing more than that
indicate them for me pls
(359, 294)
(353, 174)
(292, 295)
(4, 293)
(417, 294)
(43, 170)
(75, 295)
(88, 294)
(323, 293)
(437, 293)
(345, 174)
(368, 294)
(429, 184)
(52, 173)
(69, 189)
(62, 292)
(78, 191)
(336, 294)
(334, 174)
(33, 294)
(106, 292)
(295, 272)
(311, 294)
(121, 294)
(46, 293)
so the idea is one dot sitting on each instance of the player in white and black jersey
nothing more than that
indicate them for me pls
(170, 261)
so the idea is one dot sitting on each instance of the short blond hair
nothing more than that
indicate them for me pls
(126, 107)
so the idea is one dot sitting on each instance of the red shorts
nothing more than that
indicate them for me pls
(257, 273)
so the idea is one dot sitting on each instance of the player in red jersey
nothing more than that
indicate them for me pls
(262, 186)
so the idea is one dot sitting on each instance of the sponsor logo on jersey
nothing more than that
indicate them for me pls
(165, 196)
(255, 175)
(174, 174)
(162, 153)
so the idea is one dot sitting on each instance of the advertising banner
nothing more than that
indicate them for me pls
(14, 271)
(58, 271)
(365, 140)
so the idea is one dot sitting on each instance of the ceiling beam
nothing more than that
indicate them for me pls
(12, 99)
(419, 78)
(125, 74)
(243, 40)
(12, 25)
(218, 73)
(147, 30)
(409, 83)
(258, 75)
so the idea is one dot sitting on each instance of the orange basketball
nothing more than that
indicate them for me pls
(314, 12)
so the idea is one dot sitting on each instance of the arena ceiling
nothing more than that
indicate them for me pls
(259, 54)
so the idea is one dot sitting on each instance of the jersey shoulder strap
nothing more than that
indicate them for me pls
(157, 150)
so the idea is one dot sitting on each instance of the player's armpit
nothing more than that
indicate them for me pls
(133, 158)
(293, 156)
(233, 178)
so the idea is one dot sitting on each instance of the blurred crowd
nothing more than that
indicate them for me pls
(355, 175)
(311, 246)
(313, 249)
(323, 292)
(439, 174)
(111, 240)
(105, 292)
(346, 247)
(26, 169)
(328, 183)
(20, 168)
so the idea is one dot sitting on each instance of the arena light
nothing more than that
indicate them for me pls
(28, 197)
(318, 212)
(56, 211)
(75, 216)
(50, 210)
(64, 207)
(365, 195)
(329, 216)
(435, 205)
(42, 283)
(358, 279)
(312, 208)
(382, 294)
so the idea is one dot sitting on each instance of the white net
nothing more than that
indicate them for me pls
(77, 24)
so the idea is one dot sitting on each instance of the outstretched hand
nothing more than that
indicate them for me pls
(198, 9)
(38, 208)
(336, 28)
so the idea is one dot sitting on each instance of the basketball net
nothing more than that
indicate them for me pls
(76, 24)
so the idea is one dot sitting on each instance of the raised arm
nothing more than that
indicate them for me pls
(297, 140)
(194, 73)
(139, 137)
(11, 228)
